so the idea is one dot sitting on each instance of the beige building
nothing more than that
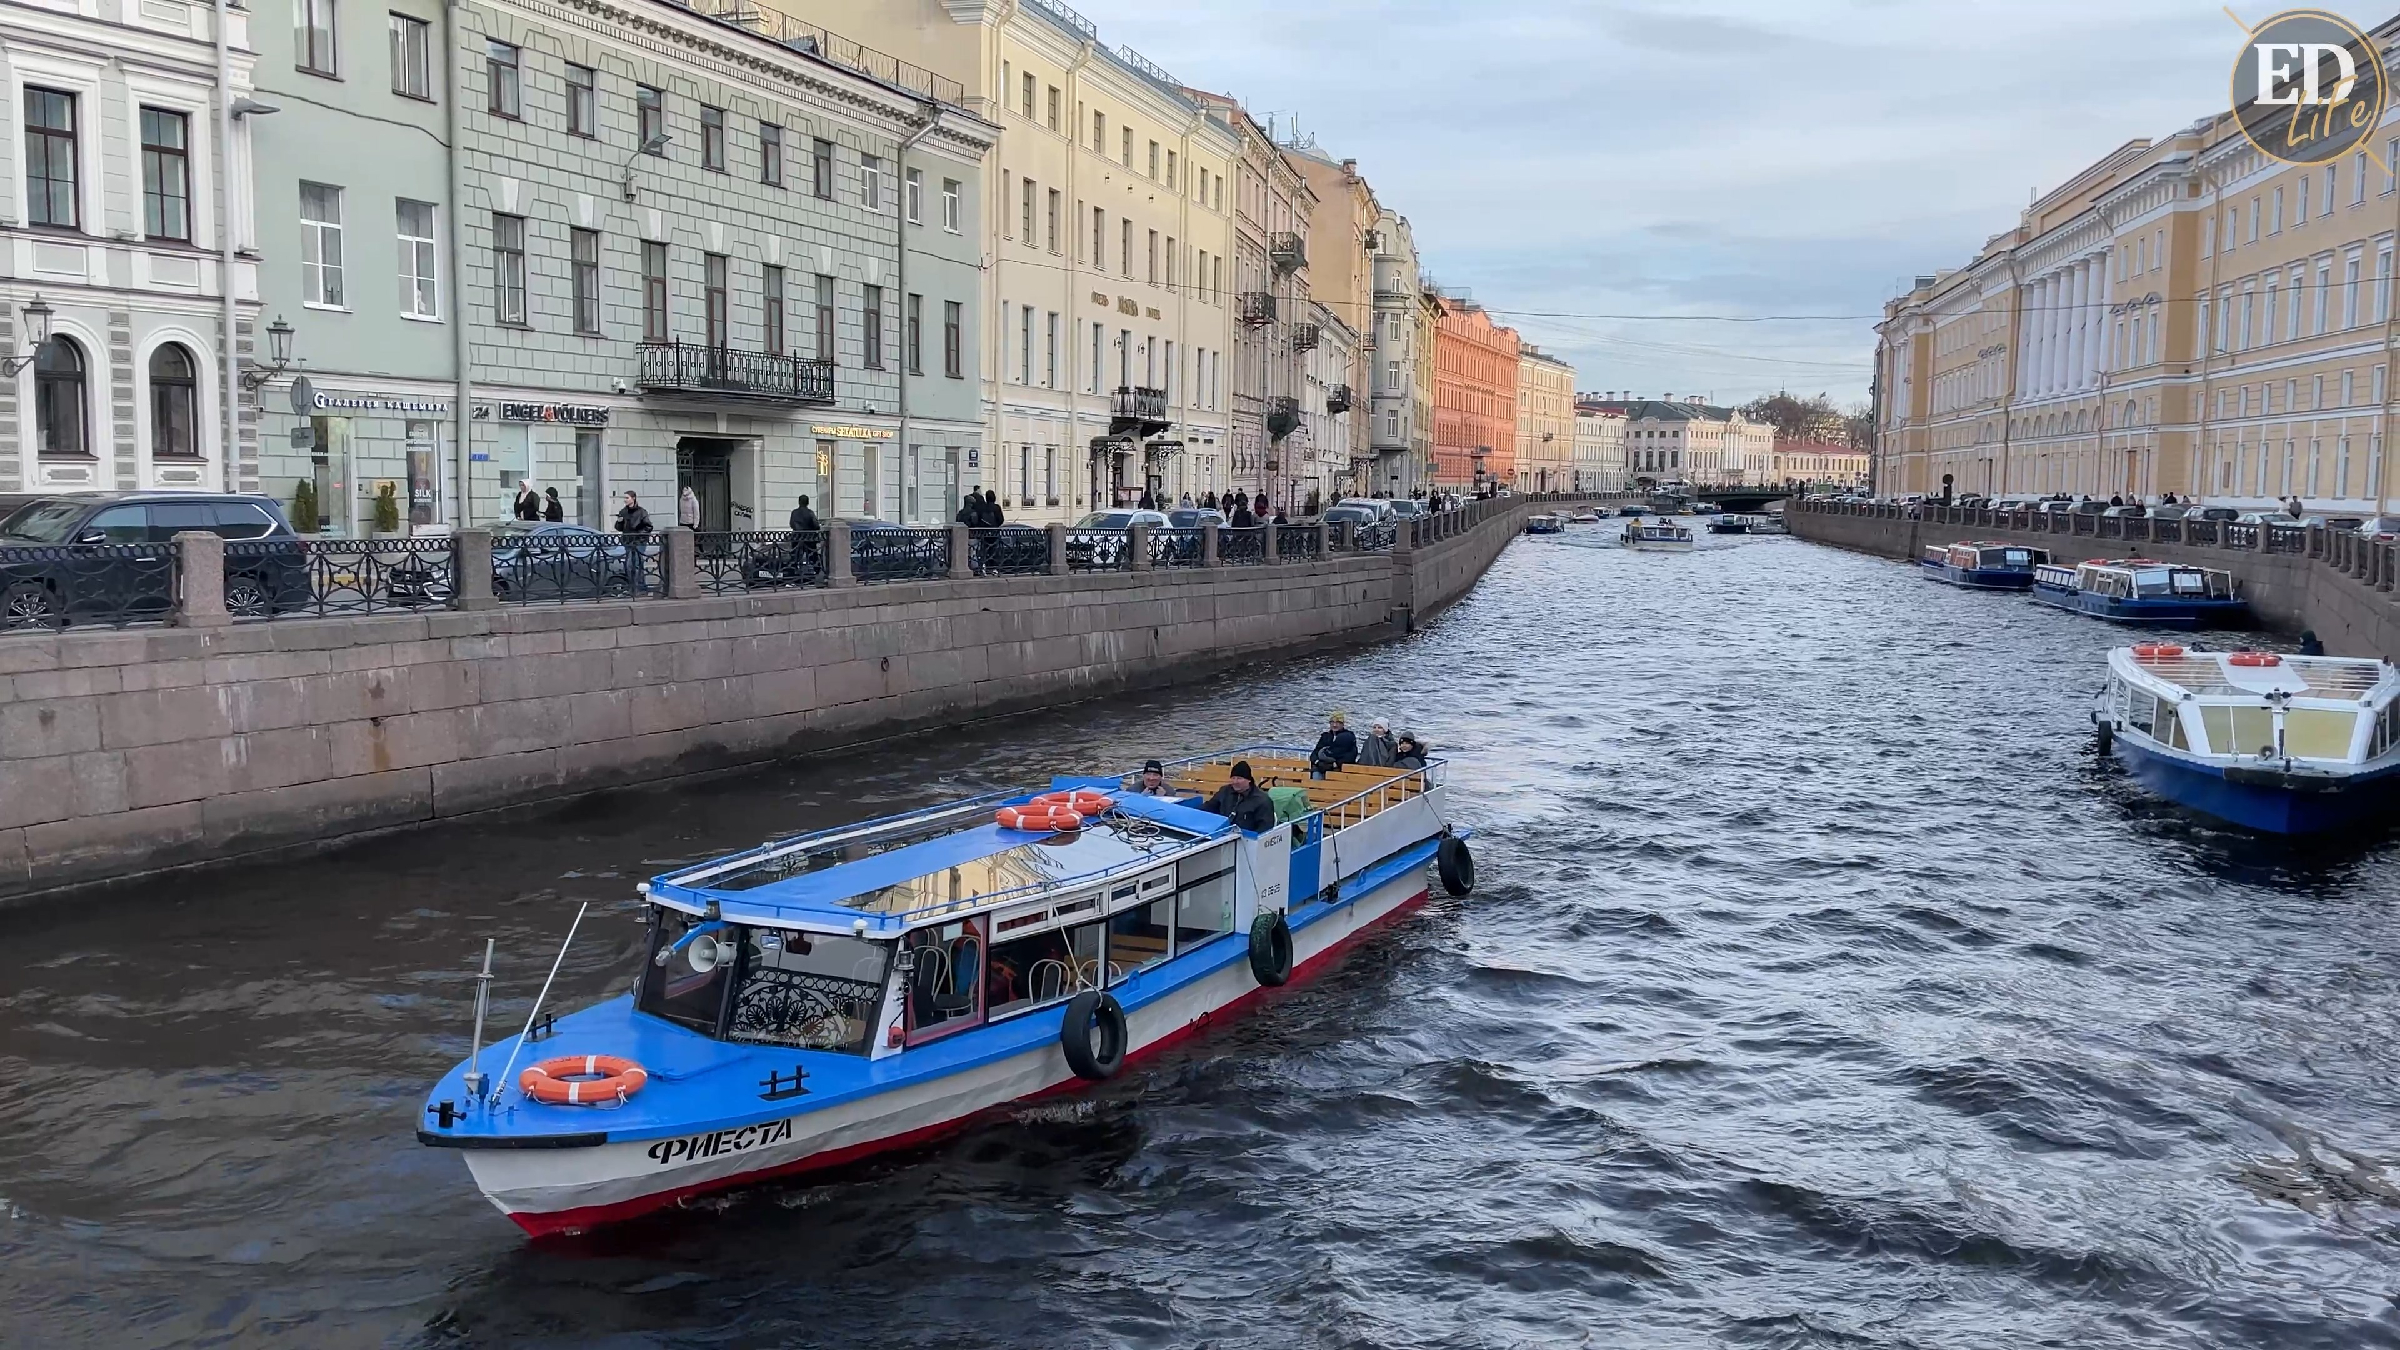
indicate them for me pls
(1342, 244)
(1599, 447)
(1109, 225)
(2186, 315)
(1545, 421)
(1818, 463)
(1690, 440)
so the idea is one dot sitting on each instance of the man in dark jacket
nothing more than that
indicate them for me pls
(1408, 753)
(993, 516)
(1241, 802)
(1242, 519)
(1335, 748)
(804, 519)
(632, 519)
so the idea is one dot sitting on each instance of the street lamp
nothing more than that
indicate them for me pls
(37, 327)
(279, 350)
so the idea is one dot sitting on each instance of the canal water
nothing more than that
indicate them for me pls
(1822, 990)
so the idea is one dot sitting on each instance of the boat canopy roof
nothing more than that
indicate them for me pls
(2200, 674)
(884, 877)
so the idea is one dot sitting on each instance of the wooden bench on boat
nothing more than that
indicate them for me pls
(1347, 795)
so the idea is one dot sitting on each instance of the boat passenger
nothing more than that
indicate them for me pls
(1376, 750)
(1241, 802)
(1154, 781)
(1409, 753)
(1335, 748)
(2309, 645)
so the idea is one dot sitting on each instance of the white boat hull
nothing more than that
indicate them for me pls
(566, 1190)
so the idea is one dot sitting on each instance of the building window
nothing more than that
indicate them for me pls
(914, 196)
(59, 408)
(712, 138)
(1154, 160)
(650, 119)
(1127, 158)
(1125, 248)
(1170, 170)
(320, 245)
(166, 176)
(770, 154)
(713, 274)
(821, 154)
(870, 182)
(954, 339)
(312, 35)
(1028, 93)
(950, 206)
(825, 318)
(1025, 344)
(50, 164)
(1099, 237)
(508, 269)
(912, 333)
(870, 320)
(583, 102)
(1050, 221)
(174, 402)
(770, 304)
(1027, 212)
(1099, 132)
(420, 296)
(654, 291)
(1053, 118)
(585, 246)
(500, 68)
(1154, 257)
(412, 57)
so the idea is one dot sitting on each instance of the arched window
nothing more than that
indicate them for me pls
(174, 403)
(60, 411)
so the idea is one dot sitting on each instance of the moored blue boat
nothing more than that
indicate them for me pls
(1983, 566)
(2274, 743)
(816, 999)
(2145, 592)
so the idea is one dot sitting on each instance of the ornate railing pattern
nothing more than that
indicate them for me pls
(1176, 547)
(267, 578)
(2287, 539)
(759, 560)
(44, 587)
(1098, 550)
(1004, 551)
(538, 568)
(696, 368)
(900, 553)
(814, 1012)
(1297, 541)
(1243, 546)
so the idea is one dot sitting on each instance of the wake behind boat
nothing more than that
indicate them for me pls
(820, 998)
(2281, 744)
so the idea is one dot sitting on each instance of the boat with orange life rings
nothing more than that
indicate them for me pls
(2144, 592)
(2267, 741)
(820, 998)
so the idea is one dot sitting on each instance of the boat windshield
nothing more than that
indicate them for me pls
(815, 991)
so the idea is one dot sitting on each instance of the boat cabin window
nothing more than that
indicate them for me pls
(2238, 730)
(818, 991)
(2141, 711)
(690, 968)
(944, 967)
(1143, 936)
(2387, 730)
(2318, 733)
(2015, 557)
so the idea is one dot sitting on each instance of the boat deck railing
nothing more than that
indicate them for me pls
(1400, 784)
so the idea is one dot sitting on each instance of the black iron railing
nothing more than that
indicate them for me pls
(44, 587)
(1289, 250)
(278, 578)
(1098, 550)
(577, 565)
(759, 560)
(1257, 308)
(1296, 541)
(1337, 400)
(1171, 546)
(1011, 551)
(1137, 403)
(694, 368)
(1306, 336)
(900, 553)
(1243, 546)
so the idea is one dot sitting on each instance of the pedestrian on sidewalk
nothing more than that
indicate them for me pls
(687, 509)
(553, 510)
(632, 518)
(529, 502)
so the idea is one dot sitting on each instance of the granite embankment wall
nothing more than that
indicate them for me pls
(2295, 579)
(125, 752)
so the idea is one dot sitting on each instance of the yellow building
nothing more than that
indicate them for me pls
(1545, 421)
(2184, 316)
(1109, 224)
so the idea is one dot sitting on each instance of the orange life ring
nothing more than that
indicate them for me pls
(2254, 659)
(583, 1080)
(1082, 801)
(1039, 817)
(2156, 651)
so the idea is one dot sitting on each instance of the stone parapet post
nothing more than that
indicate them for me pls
(962, 552)
(1272, 546)
(200, 578)
(1058, 548)
(837, 555)
(1137, 545)
(1208, 545)
(471, 568)
(682, 561)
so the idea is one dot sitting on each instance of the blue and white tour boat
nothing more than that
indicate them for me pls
(1980, 566)
(2275, 743)
(1545, 523)
(1657, 536)
(2145, 592)
(817, 999)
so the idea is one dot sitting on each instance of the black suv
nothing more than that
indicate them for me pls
(58, 563)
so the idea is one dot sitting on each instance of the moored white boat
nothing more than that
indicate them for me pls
(820, 998)
(2276, 743)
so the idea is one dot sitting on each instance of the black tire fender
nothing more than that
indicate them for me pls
(2106, 737)
(1455, 865)
(1093, 1035)
(1271, 949)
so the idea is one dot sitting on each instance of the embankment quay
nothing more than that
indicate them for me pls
(128, 750)
(2295, 577)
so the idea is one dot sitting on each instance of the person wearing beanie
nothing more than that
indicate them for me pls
(1241, 802)
(1153, 781)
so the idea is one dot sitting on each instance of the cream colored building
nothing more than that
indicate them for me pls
(1818, 463)
(2185, 315)
(1545, 421)
(1109, 228)
(1342, 246)
(1599, 448)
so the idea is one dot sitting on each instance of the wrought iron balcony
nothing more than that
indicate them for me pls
(1257, 309)
(1305, 337)
(1138, 406)
(1288, 250)
(1337, 400)
(690, 368)
(1283, 418)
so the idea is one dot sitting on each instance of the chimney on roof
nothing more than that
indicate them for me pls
(1350, 168)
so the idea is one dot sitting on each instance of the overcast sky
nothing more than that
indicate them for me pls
(1688, 157)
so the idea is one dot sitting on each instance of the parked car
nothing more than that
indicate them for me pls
(1192, 518)
(1408, 508)
(2217, 513)
(557, 561)
(2381, 529)
(2129, 511)
(73, 578)
(1087, 544)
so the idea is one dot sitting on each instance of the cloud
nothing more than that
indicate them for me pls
(1701, 157)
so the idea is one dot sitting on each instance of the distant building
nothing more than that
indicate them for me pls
(1474, 395)
(1599, 447)
(1545, 421)
(1818, 462)
(1669, 440)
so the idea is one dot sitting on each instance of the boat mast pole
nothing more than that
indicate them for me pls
(538, 1000)
(483, 1000)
